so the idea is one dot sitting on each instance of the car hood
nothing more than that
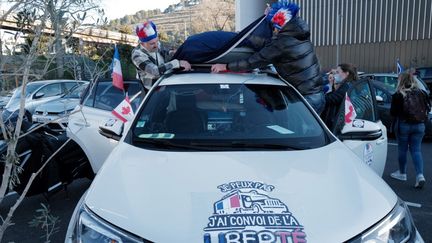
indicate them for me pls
(58, 106)
(14, 104)
(325, 194)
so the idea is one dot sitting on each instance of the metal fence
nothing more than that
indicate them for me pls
(370, 33)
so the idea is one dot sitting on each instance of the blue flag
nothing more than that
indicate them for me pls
(399, 67)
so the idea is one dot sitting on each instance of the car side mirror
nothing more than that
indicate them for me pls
(361, 130)
(39, 95)
(379, 99)
(113, 129)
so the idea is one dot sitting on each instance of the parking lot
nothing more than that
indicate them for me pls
(63, 203)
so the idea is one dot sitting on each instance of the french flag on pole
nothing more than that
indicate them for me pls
(117, 75)
(399, 67)
(124, 110)
(350, 113)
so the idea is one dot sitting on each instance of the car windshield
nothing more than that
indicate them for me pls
(76, 92)
(425, 72)
(31, 87)
(227, 117)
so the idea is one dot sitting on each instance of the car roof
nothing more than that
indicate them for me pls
(221, 78)
(380, 74)
(57, 81)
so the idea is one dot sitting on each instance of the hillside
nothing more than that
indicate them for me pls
(180, 20)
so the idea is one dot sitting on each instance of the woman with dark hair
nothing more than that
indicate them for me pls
(410, 105)
(344, 75)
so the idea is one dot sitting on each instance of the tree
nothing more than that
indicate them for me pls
(214, 15)
(55, 20)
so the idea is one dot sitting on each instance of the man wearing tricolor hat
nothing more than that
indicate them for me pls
(290, 51)
(148, 59)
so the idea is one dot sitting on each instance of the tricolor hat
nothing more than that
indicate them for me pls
(281, 13)
(146, 31)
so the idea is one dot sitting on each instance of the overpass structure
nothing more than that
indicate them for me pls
(93, 35)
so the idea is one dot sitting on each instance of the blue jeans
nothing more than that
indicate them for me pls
(410, 136)
(317, 101)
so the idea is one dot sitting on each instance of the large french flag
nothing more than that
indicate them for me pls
(117, 75)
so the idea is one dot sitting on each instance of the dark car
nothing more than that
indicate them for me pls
(425, 73)
(384, 97)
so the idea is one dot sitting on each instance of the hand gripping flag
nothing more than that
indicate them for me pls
(124, 110)
(399, 67)
(117, 75)
(350, 113)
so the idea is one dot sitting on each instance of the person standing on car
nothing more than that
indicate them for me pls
(290, 51)
(410, 106)
(147, 57)
(344, 74)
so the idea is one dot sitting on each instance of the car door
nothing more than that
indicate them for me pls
(383, 107)
(371, 152)
(83, 126)
(45, 94)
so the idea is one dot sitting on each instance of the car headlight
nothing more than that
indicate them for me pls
(397, 226)
(85, 226)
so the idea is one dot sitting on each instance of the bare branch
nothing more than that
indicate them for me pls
(6, 221)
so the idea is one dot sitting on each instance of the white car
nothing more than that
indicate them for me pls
(241, 158)
(40, 92)
(97, 104)
(58, 110)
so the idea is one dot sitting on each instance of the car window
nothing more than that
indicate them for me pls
(76, 92)
(222, 116)
(106, 97)
(390, 82)
(50, 90)
(380, 92)
(361, 98)
(30, 88)
(425, 72)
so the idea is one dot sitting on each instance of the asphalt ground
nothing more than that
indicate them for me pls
(62, 203)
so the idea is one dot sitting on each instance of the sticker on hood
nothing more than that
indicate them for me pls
(246, 214)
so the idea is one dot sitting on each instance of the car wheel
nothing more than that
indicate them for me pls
(28, 116)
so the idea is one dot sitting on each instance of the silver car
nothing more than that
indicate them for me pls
(58, 110)
(40, 92)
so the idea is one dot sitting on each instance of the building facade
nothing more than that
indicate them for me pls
(372, 34)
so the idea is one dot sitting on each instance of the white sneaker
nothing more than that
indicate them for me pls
(398, 176)
(420, 181)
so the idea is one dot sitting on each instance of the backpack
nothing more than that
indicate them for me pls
(415, 106)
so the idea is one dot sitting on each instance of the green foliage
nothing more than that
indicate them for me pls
(45, 221)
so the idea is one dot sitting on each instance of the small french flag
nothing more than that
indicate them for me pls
(399, 67)
(117, 75)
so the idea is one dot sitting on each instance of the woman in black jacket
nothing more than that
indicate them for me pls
(345, 74)
(291, 52)
(410, 105)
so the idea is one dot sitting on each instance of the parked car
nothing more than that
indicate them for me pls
(390, 80)
(58, 110)
(97, 104)
(225, 157)
(40, 92)
(425, 73)
(385, 87)
(34, 149)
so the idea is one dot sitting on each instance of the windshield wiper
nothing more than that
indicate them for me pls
(237, 144)
(164, 143)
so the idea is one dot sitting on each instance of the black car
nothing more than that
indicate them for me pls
(425, 73)
(384, 97)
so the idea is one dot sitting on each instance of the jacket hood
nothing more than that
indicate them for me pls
(297, 28)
